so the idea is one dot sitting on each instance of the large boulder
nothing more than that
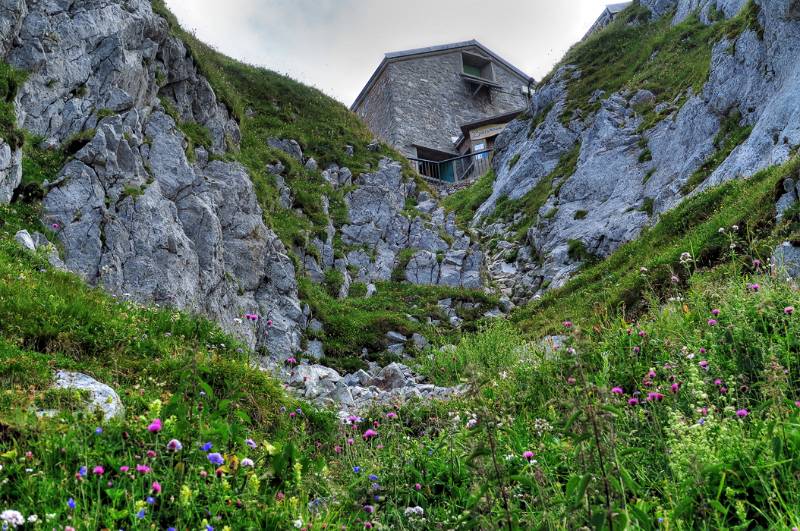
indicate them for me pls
(101, 398)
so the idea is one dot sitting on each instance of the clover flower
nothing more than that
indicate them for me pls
(417, 486)
(715, 312)
(703, 365)
(124, 469)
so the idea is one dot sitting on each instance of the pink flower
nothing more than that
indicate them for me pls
(391, 415)
(369, 434)
(571, 380)
(337, 449)
(633, 401)
(124, 469)
(742, 413)
(156, 487)
(675, 387)
(143, 469)
(789, 310)
(269, 322)
(417, 486)
(642, 333)
(651, 373)
(567, 324)
(527, 455)
(654, 397)
(350, 442)
(717, 382)
(703, 364)
(715, 312)
(703, 350)
(753, 287)
(756, 263)
(291, 361)
(637, 349)
(151, 454)
(712, 322)
(617, 390)
(292, 414)
(154, 426)
(797, 403)
(98, 471)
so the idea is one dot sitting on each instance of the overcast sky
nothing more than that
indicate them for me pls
(335, 45)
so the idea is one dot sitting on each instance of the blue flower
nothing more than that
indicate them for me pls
(98, 430)
(356, 469)
(373, 477)
(71, 503)
(171, 529)
(216, 459)
(140, 514)
(150, 500)
(82, 471)
(207, 446)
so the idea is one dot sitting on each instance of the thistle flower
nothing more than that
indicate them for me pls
(617, 390)
(291, 360)
(633, 401)
(715, 312)
(742, 413)
(675, 387)
(350, 442)
(156, 486)
(417, 486)
(712, 322)
(98, 470)
(654, 397)
(154, 426)
(753, 287)
(337, 449)
(391, 415)
(789, 310)
(124, 469)
(174, 445)
(143, 469)
(369, 509)
(369, 434)
(527, 455)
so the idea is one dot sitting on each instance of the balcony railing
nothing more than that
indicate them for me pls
(456, 169)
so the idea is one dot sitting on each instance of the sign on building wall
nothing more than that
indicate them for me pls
(486, 131)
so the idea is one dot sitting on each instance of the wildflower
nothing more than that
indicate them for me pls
(215, 458)
(174, 445)
(292, 414)
(637, 349)
(350, 442)
(269, 323)
(207, 446)
(617, 390)
(527, 455)
(567, 324)
(356, 469)
(369, 434)
(654, 397)
(291, 361)
(651, 373)
(642, 333)
(721, 230)
(715, 312)
(156, 486)
(571, 380)
(154, 426)
(391, 415)
(151, 454)
(298, 523)
(703, 365)
(797, 403)
(414, 512)
(98, 471)
(12, 518)
(142, 469)
(369, 509)
(675, 279)
(643, 270)
(633, 401)
(471, 423)
(82, 471)
(753, 287)
(251, 443)
(685, 258)
(98, 430)
(150, 500)
(712, 322)
(124, 469)
(32, 519)
(55, 226)
(675, 387)
(71, 503)
(789, 310)
(140, 514)
(742, 413)
(337, 449)
(247, 462)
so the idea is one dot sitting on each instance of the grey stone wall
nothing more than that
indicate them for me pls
(424, 100)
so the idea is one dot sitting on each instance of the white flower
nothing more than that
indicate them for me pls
(414, 511)
(32, 519)
(721, 230)
(247, 462)
(735, 228)
(471, 423)
(298, 523)
(12, 518)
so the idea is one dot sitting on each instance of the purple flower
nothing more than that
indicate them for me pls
(527, 455)
(617, 390)
(154, 426)
(369, 509)
(251, 443)
(715, 312)
(789, 310)
(753, 287)
(703, 364)
(369, 434)
(98, 431)
(742, 413)
(373, 477)
(71, 503)
(633, 401)
(712, 322)
(247, 462)
(174, 445)
(356, 469)
(654, 397)
(82, 471)
(207, 446)
(216, 458)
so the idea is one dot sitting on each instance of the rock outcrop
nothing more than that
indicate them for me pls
(137, 210)
(624, 176)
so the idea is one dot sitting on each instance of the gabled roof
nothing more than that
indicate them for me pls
(432, 50)
(618, 8)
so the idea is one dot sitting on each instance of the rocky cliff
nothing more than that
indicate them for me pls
(702, 92)
(152, 202)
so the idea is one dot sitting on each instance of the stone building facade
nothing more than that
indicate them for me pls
(418, 100)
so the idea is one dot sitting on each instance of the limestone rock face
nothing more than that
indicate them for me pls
(625, 177)
(135, 213)
(379, 220)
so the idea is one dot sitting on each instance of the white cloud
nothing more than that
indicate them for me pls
(336, 44)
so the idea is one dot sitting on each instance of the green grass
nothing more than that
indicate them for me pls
(634, 54)
(357, 322)
(466, 201)
(10, 80)
(617, 284)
